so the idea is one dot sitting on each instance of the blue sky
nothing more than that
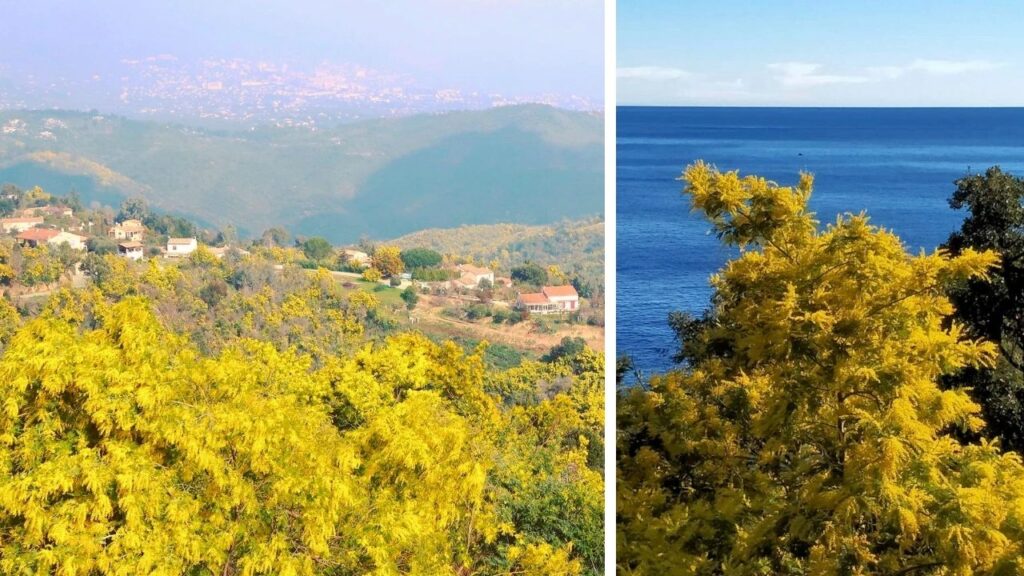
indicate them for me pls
(508, 46)
(825, 53)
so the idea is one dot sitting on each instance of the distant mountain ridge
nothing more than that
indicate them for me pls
(529, 164)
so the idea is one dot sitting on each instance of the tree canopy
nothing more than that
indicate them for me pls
(221, 416)
(808, 432)
(388, 260)
(317, 248)
(420, 258)
(530, 273)
(993, 308)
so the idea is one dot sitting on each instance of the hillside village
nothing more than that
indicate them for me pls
(47, 242)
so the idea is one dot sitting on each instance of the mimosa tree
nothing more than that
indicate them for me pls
(808, 433)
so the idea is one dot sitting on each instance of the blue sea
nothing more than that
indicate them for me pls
(898, 164)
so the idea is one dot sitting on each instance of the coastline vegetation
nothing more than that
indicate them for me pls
(820, 421)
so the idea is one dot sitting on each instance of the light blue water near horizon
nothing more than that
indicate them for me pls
(897, 164)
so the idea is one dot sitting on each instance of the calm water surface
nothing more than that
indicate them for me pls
(896, 164)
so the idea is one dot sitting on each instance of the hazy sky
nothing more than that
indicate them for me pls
(508, 46)
(821, 53)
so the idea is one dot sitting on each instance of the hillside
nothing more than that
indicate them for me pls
(574, 246)
(388, 177)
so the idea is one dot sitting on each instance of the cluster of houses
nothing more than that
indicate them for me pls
(550, 299)
(27, 226)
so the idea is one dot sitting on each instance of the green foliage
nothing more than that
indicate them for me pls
(432, 274)
(101, 245)
(576, 246)
(410, 297)
(993, 309)
(569, 347)
(478, 311)
(276, 236)
(172, 226)
(808, 434)
(531, 274)
(420, 258)
(134, 208)
(317, 248)
(582, 286)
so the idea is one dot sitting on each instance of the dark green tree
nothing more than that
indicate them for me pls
(317, 248)
(420, 258)
(569, 347)
(173, 226)
(994, 310)
(583, 287)
(134, 208)
(276, 236)
(530, 273)
(410, 297)
(101, 245)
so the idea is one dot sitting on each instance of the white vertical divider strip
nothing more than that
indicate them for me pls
(609, 284)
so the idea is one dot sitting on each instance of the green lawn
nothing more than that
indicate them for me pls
(388, 296)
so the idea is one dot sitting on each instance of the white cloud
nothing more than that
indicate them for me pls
(653, 73)
(886, 72)
(805, 74)
(946, 67)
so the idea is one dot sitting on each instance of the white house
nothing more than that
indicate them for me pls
(35, 236)
(471, 276)
(76, 241)
(130, 249)
(177, 247)
(550, 300)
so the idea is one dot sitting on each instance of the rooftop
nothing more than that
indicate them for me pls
(471, 269)
(563, 291)
(38, 234)
(533, 298)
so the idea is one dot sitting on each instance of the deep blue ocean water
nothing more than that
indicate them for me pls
(898, 164)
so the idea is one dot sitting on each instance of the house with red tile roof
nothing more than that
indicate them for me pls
(550, 300)
(37, 236)
(33, 237)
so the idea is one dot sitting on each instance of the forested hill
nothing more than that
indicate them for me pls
(380, 178)
(575, 246)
